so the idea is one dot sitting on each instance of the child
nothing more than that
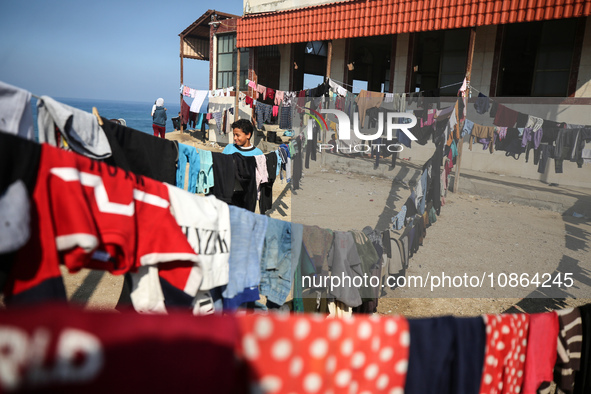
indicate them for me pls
(242, 130)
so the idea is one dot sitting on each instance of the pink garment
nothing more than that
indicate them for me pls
(261, 172)
(541, 351)
(208, 116)
(275, 110)
(279, 97)
(261, 90)
(504, 357)
(252, 84)
(430, 118)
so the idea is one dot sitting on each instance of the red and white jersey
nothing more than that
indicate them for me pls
(92, 215)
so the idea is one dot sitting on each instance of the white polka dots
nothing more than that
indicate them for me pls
(271, 384)
(364, 330)
(251, 349)
(405, 339)
(301, 354)
(386, 354)
(343, 378)
(318, 348)
(505, 353)
(334, 330)
(312, 383)
(357, 360)
(390, 327)
(263, 328)
(397, 390)
(347, 347)
(301, 329)
(296, 366)
(331, 364)
(281, 349)
(401, 366)
(375, 344)
(371, 372)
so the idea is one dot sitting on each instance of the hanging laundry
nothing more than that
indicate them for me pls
(446, 355)
(124, 143)
(247, 233)
(188, 154)
(279, 94)
(261, 173)
(263, 114)
(505, 117)
(506, 346)
(326, 355)
(479, 131)
(541, 351)
(261, 90)
(200, 103)
(205, 177)
(276, 274)
(16, 111)
(482, 104)
(80, 129)
(366, 100)
(15, 213)
(109, 239)
(266, 189)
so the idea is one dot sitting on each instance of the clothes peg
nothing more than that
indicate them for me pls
(96, 113)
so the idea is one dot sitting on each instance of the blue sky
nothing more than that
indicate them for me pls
(109, 50)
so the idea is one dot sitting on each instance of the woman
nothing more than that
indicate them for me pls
(159, 118)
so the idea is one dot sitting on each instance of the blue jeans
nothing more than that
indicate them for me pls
(246, 250)
(276, 273)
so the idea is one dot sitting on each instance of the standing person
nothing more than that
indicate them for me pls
(159, 118)
(242, 130)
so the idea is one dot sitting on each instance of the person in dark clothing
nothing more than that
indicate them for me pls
(159, 118)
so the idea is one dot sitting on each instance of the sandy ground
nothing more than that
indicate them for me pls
(472, 236)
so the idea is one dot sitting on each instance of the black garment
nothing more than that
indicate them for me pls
(437, 160)
(565, 142)
(224, 177)
(446, 355)
(141, 153)
(245, 190)
(493, 109)
(521, 120)
(546, 152)
(266, 198)
(552, 124)
(422, 133)
(19, 160)
(296, 165)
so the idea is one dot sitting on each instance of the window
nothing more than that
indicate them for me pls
(440, 60)
(536, 58)
(226, 62)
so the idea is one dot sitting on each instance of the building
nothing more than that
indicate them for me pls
(507, 49)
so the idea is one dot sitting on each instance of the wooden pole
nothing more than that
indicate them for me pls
(468, 77)
(181, 102)
(237, 89)
(328, 66)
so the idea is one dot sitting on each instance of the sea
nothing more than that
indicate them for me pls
(137, 114)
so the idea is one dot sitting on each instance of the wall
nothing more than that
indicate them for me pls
(255, 6)
(584, 77)
(337, 66)
(401, 62)
(484, 50)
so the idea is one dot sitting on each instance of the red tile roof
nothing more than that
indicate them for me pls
(359, 18)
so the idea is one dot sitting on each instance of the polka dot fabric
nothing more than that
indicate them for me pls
(504, 358)
(311, 354)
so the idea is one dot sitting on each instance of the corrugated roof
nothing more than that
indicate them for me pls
(380, 17)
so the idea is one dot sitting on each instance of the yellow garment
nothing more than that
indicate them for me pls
(366, 100)
(479, 131)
